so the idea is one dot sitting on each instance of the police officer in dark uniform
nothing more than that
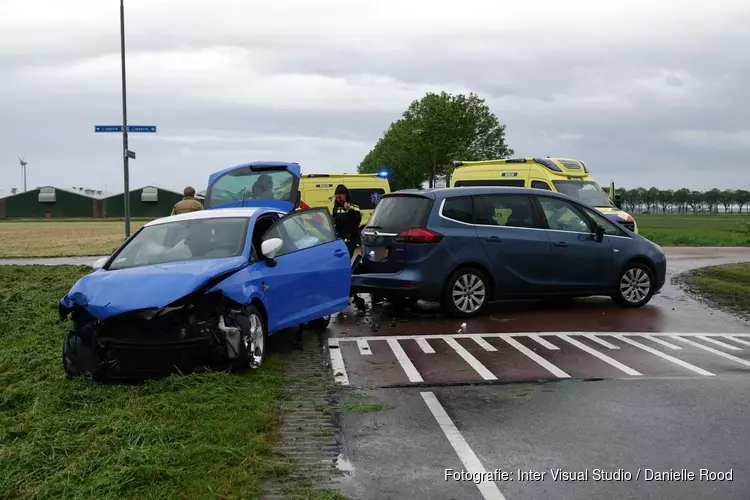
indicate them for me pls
(347, 218)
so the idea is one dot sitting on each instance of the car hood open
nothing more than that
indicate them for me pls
(106, 293)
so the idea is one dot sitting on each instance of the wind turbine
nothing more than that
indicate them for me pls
(23, 167)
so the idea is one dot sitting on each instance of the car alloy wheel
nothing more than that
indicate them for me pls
(255, 341)
(469, 293)
(635, 285)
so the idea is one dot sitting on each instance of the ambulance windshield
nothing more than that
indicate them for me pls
(584, 191)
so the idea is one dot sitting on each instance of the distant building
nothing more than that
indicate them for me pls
(78, 202)
(148, 201)
(49, 202)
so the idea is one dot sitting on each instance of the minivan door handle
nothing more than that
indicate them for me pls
(560, 244)
(493, 239)
(340, 253)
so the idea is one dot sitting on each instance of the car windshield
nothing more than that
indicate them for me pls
(584, 191)
(185, 240)
(244, 184)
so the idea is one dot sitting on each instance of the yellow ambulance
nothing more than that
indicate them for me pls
(316, 190)
(562, 175)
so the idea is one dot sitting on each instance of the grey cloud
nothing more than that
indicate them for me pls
(535, 82)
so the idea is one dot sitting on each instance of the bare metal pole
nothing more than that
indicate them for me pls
(126, 172)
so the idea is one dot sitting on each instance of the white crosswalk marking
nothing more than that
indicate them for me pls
(720, 344)
(599, 355)
(364, 347)
(630, 343)
(735, 339)
(600, 341)
(469, 358)
(425, 346)
(535, 357)
(541, 341)
(684, 364)
(712, 350)
(661, 342)
(406, 364)
(484, 344)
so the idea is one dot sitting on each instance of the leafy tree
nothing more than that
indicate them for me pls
(433, 131)
(670, 200)
(742, 198)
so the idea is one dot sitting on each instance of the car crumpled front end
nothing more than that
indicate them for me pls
(204, 328)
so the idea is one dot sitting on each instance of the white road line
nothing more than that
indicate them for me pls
(484, 344)
(721, 344)
(337, 362)
(662, 342)
(597, 354)
(526, 334)
(739, 341)
(469, 358)
(537, 358)
(364, 347)
(488, 489)
(684, 364)
(403, 359)
(426, 347)
(599, 341)
(539, 340)
(714, 351)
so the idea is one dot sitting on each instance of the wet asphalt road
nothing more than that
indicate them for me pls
(653, 401)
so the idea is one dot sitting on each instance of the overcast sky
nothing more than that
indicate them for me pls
(646, 93)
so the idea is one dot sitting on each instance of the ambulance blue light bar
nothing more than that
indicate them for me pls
(383, 173)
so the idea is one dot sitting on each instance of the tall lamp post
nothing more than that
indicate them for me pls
(126, 171)
(434, 155)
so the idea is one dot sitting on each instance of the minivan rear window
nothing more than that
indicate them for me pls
(398, 213)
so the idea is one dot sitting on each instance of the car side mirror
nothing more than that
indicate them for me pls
(271, 247)
(599, 234)
(99, 263)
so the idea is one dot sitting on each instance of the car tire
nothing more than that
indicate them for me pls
(469, 282)
(254, 338)
(319, 325)
(78, 355)
(635, 285)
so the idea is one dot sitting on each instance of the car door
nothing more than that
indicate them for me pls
(618, 242)
(310, 276)
(577, 261)
(512, 234)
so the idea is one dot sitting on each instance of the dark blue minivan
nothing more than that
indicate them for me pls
(469, 246)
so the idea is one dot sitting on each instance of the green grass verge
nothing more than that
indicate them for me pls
(185, 437)
(695, 230)
(727, 286)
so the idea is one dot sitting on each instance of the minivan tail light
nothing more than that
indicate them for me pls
(419, 235)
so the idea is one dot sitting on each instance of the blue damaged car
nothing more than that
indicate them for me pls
(206, 289)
